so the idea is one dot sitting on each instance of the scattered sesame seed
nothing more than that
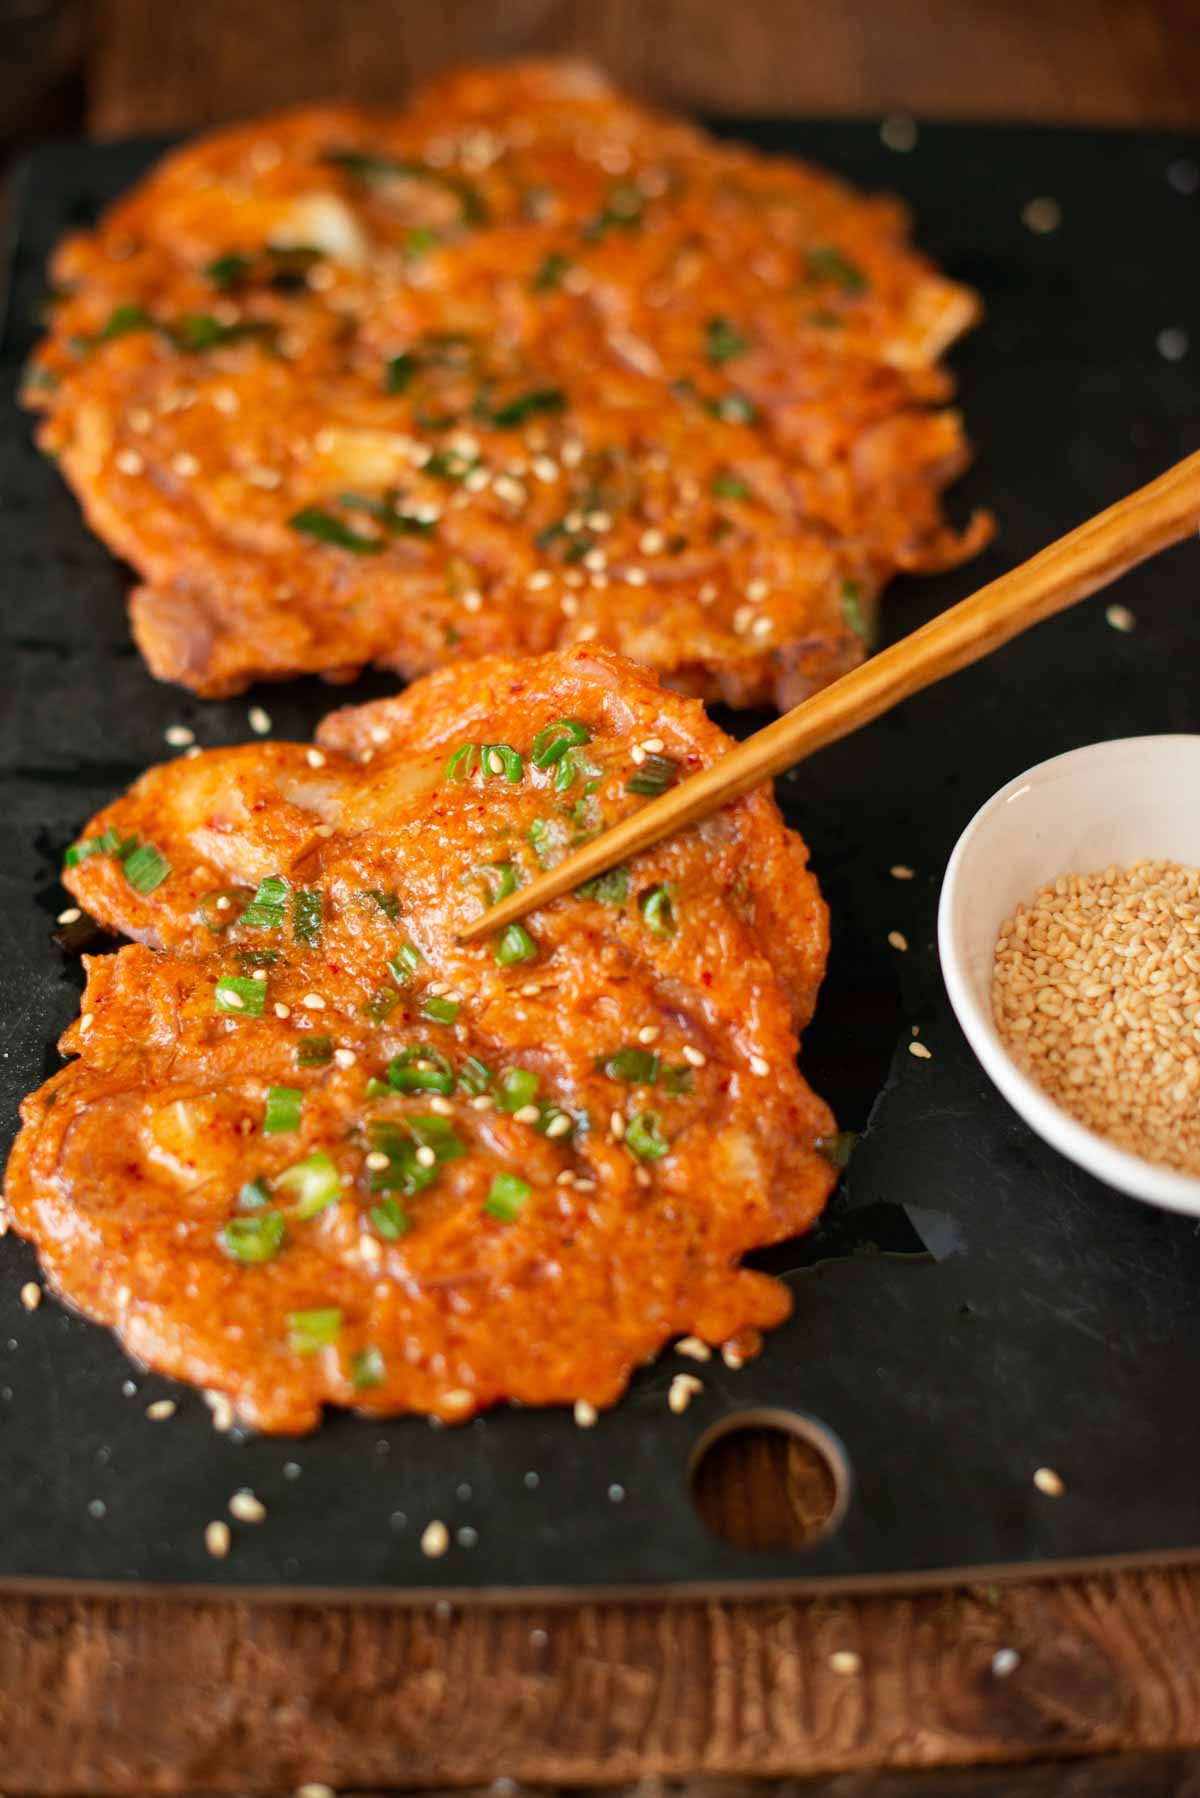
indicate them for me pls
(598, 521)
(695, 1058)
(179, 736)
(72, 915)
(616, 1494)
(652, 542)
(649, 1033)
(899, 132)
(559, 1126)
(920, 1051)
(545, 468)
(845, 1662)
(526, 1114)
(313, 1789)
(616, 1124)
(31, 1295)
(345, 1058)
(441, 1106)
(732, 1356)
(635, 576)
(743, 618)
(483, 1102)
(571, 454)
(185, 465)
(472, 600)
(585, 1414)
(1049, 1482)
(426, 1157)
(222, 1411)
(637, 755)
(459, 1399)
(1119, 617)
(1172, 344)
(376, 1160)
(756, 590)
(314, 758)
(313, 1002)
(259, 721)
(282, 1010)
(898, 940)
(232, 1001)
(225, 400)
(161, 1409)
(540, 578)
(217, 1539)
(653, 745)
(693, 1348)
(97, 1508)
(85, 1023)
(466, 1536)
(1042, 215)
(762, 627)
(760, 1066)
(259, 475)
(435, 1539)
(129, 462)
(247, 1508)
(1004, 1662)
(259, 974)
(139, 420)
(683, 1389)
(900, 872)
(323, 830)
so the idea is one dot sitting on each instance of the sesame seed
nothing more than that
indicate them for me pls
(545, 468)
(179, 736)
(323, 830)
(139, 420)
(72, 915)
(222, 1411)
(426, 1157)
(652, 542)
(649, 1033)
(314, 758)
(1172, 344)
(616, 1124)
(369, 1249)
(1042, 215)
(1049, 1482)
(442, 1107)
(483, 1102)
(282, 1010)
(898, 940)
(85, 1023)
(920, 1051)
(185, 465)
(313, 1002)
(598, 521)
(595, 561)
(259, 974)
(1119, 617)
(233, 1001)
(760, 1066)
(653, 745)
(129, 462)
(259, 721)
(161, 1409)
(637, 754)
(693, 1348)
(635, 576)
(900, 872)
(345, 1058)
(585, 1414)
(458, 1399)
(217, 1539)
(571, 454)
(247, 1508)
(31, 1295)
(569, 605)
(435, 1539)
(898, 132)
(642, 1176)
(1004, 1662)
(313, 1788)
(756, 590)
(476, 481)
(558, 1126)
(743, 618)
(472, 600)
(695, 1058)
(762, 627)
(267, 478)
(376, 1160)
(845, 1662)
(226, 400)
(527, 1114)
(540, 578)
(732, 1357)
(682, 1391)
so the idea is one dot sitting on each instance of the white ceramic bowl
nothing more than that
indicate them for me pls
(1083, 811)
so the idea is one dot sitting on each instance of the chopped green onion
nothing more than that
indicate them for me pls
(198, 331)
(314, 521)
(538, 399)
(723, 341)
(228, 272)
(727, 486)
(733, 408)
(121, 321)
(367, 1368)
(404, 963)
(517, 1088)
(677, 1079)
(511, 765)
(387, 903)
(460, 764)
(108, 844)
(837, 1148)
(242, 996)
(514, 945)
(389, 515)
(638, 1066)
(643, 1137)
(420, 1069)
(284, 1105)
(656, 774)
(440, 1010)
(409, 1167)
(390, 1219)
(311, 1331)
(437, 1133)
(399, 372)
(217, 917)
(507, 1197)
(256, 958)
(547, 1115)
(450, 465)
(550, 839)
(314, 1051)
(550, 273)
(308, 906)
(553, 741)
(253, 1196)
(381, 1005)
(505, 874)
(827, 263)
(851, 597)
(610, 888)
(265, 910)
(474, 1076)
(658, 910)
(622, 211)
(368, 166)
(313, 1183)
(254, 1239)
(145, 868)
(378, 1089)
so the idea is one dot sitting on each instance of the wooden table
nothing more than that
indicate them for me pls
(138, 1694)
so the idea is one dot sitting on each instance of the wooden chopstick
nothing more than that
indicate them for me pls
(1087, 558)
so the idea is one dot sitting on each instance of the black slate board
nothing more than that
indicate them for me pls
(1053, 1322)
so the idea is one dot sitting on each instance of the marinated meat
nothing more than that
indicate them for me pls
(522, 366)
(309, 1151)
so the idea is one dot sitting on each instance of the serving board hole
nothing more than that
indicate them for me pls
(769, 1481)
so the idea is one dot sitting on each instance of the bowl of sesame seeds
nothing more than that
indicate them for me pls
(1069, 934)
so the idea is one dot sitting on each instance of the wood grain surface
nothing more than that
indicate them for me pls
(143, 1695)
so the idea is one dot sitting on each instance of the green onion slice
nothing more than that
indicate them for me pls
(420, 1069)
(217, 917)
(145, 868)
(265, 910)
(499, 880)
(638, 1066)
(254, 1239)
(658, 910)
(474, 1076)
(610, 888)
(108, 844)
(389, 1219)
(367, 1368)
(440, 1010)
(515, 945)
(517, 1088)
(404, 963)
(507, 1197)
(553, 741)
(284, 1106)
(723, 341)
(510, 763)
(656, 774)
(461, 762)
(387, 903)
(240, 996)
(311, 1331)
(314, 1051)
(253, 1196)
(827, 263)
(314, 521)
(312, 1184)
(644, 1138)
(308, 909)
